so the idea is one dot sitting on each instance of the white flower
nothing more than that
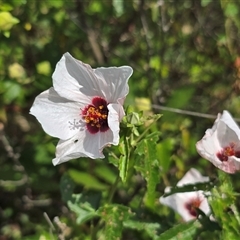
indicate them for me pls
(186, 203)
(83, 108)
(221, 144)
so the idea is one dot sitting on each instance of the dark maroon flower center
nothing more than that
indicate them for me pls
(95, 115)
(227, 152)
(193, 205)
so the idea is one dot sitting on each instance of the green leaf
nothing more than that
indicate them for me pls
(84, 206)
(87, 180)
(148, 165)
(204, 3)
(223, 203)
(231, 10)
(6, 7)
(133, 118)
(150, 228)
(7, 21)
(66, 187)
(12, 91)
(105, 173)
(44, 68)
(164, 151)
(204, 186)
(181, 97)
(118, 7)
(114, 216)
(184, 231)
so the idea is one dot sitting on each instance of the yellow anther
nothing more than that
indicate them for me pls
(94, 116)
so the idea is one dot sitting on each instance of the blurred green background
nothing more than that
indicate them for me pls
(185, 54)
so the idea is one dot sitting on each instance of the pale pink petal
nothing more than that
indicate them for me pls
(116, 79)
(57, 115)
(231, 166)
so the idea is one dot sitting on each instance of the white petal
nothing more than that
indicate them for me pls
(73, 79)
(83, 144)
(177, 202)
(115, 115)
(226, 135)
(117, 82)
(57, 115)
(191, 177)
(229, 121)
(204, 206)
(230, 166)
(94, 143)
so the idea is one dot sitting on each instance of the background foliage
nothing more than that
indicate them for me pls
(185, 54)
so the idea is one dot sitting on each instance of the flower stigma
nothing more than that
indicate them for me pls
(95, 115)
(228, 152)
(193, 205)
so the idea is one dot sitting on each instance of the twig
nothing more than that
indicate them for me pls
(52, 228)
(17, 183)
(49, 221)
(15, 157)
(65, 230)
(184, 112)
(36, 203)
(80, 21)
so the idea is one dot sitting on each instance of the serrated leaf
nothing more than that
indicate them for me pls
(114, 216)
(84, 206)
(150, 228)
(223, 204)
(66, 187)
(148, 165)
(87, 180)
(205, 186)
(184, 231)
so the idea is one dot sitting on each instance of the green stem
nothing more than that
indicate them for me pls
(95, 230)
(113, 189)
(144, 132)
